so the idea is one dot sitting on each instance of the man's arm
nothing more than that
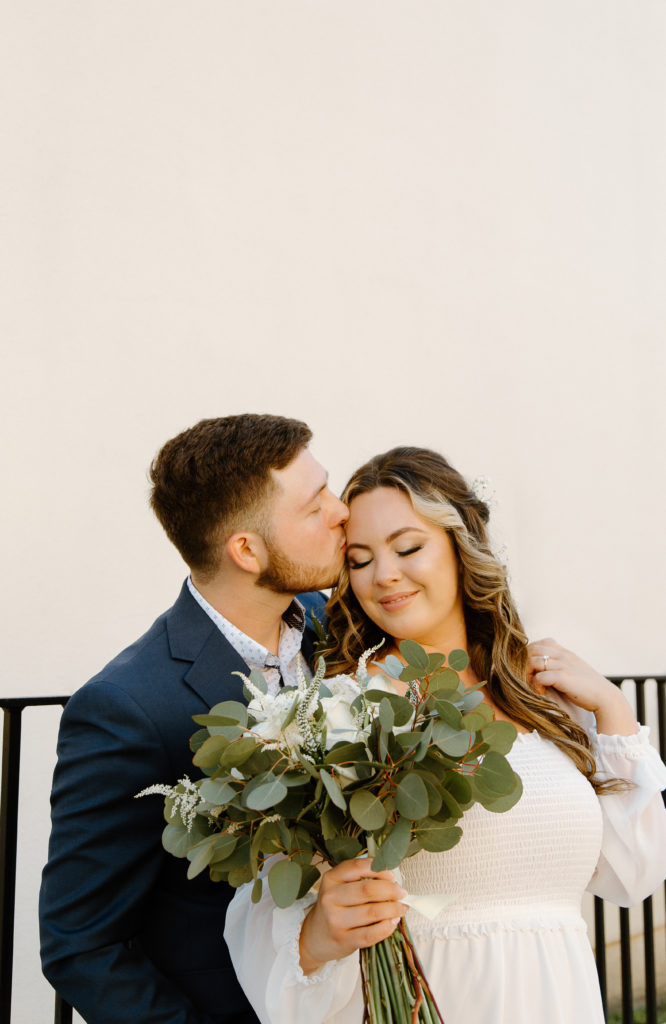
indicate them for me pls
(104, 859)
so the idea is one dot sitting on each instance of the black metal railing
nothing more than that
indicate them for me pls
(13, 708)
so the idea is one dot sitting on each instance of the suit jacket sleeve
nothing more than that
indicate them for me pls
(104, 857)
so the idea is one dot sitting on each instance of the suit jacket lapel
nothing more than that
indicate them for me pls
(194, 637)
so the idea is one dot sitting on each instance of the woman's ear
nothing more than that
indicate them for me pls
(247, 551)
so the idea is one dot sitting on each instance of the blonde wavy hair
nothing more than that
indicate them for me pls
(497, 644)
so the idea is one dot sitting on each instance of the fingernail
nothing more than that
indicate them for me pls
(395, 922)
(401, 893)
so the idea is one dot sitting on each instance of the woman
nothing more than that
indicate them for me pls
(511, 946)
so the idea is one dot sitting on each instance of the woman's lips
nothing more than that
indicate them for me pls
(394, 602)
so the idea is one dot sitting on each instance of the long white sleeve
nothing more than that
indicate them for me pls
(263, 943)
(633, 852)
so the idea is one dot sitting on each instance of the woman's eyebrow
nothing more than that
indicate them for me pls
(391, 536)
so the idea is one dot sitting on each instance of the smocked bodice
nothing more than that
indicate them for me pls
(529, 864)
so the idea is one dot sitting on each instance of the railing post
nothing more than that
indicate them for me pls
(9, 793)
(600, 950)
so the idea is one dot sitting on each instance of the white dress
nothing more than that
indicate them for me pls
(512, 947)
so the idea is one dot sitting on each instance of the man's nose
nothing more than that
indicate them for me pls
(339, 512)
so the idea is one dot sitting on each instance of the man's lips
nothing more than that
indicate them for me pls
(392, 602)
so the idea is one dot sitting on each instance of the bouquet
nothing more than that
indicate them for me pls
(339, 768)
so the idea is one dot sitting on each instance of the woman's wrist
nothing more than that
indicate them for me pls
(614, 715)
(309, 964)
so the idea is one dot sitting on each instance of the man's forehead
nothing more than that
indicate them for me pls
(303, 479)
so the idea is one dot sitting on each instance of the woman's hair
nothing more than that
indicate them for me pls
(497, 644)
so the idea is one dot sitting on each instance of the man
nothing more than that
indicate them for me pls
(125, 936)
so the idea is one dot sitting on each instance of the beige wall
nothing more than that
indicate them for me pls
(434, 222)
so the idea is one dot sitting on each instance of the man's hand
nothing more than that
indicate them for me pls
(356, 908)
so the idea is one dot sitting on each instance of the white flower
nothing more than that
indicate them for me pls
(341, 722)
(269, 714)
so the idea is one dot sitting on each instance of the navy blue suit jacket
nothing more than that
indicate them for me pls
(125, 936)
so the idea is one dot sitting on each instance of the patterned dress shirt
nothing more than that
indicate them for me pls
(278, 669)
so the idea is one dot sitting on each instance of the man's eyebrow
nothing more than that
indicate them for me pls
(391, 536)
(316, 494)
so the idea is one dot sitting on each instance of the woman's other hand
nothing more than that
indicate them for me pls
(356, 907)
(552, 666)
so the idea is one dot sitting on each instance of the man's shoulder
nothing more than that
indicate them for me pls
(153, 659)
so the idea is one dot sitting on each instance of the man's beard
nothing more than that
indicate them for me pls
(283, 576)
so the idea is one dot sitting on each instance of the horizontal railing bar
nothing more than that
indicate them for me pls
(18, 703)
(13, 706)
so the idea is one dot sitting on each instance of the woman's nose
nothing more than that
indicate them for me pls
(387, 571)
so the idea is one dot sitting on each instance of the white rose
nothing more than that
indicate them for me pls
(340, 720)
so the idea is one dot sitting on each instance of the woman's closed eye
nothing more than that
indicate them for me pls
(400, 554)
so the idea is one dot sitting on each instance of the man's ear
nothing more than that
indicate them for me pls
(247, 551)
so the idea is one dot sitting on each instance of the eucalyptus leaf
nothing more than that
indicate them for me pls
(495, 773)
(391, 665)
(343, 848)
(394, 847)
(470, 700)
(434, 796)
(504, 803)
(217, 791)
(343, 751)
(445, 679)
(436, 836)
(411, 797)
(267, 795)
(450, 740)
(236, 752)
(258, 679)
(197, 739)
(414, 654)
(500, 736)
(240, 876)
(284, 881)
(200, 856)
(209, 753)
(309, 877)
(257, 890)
(459, 660)
(473, 721)
(333, 790)
(224, 846)
(448, 712)
(402, 708)
(435, 661)
(459, 787)
(231, 709)
(367, 810)
(210, 719)
(386, 714)
(176, 840)
(409, 741)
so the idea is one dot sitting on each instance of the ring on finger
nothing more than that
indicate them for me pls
(546, 659)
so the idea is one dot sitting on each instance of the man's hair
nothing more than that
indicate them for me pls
(215, 478)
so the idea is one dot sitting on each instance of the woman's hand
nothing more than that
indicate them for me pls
(356, 907)
(552, 666)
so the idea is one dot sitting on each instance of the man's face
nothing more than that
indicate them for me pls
(306, 540)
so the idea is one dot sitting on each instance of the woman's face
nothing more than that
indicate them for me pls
(404, 571)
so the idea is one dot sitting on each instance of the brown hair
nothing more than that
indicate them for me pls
(497, 644)
(216, 478)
